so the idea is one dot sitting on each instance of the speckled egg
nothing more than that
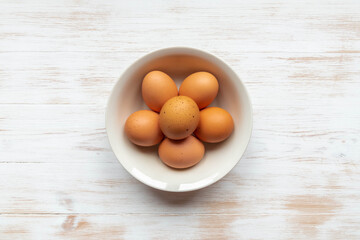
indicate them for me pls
(179, 117)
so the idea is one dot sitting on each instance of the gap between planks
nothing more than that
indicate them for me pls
(145, 52)
(161, 214)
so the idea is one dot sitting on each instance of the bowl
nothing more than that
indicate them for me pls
(143, 162)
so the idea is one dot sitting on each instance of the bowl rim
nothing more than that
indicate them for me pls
(179, 49)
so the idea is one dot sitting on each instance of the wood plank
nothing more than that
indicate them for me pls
(87, 78)
(254, 186)
(279, 226)
(257, 26)
(76, 133)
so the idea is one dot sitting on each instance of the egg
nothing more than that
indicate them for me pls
(157, 87)
(181, 153)
(215, 125)
(179, 117)
(142, 128)
(202, 87)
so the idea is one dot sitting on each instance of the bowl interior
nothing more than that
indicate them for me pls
(144, 163)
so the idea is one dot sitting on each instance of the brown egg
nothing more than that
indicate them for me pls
(157, 87)
(142, 128)
(181, 153)
(202, 87)
(179, 117)
(215, 125)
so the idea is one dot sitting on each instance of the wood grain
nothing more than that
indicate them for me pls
(298, 178)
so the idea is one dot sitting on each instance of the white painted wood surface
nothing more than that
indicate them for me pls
(299, 178)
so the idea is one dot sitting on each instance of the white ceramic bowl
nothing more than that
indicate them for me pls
(143, 163)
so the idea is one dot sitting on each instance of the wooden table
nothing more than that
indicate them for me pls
(299, 178)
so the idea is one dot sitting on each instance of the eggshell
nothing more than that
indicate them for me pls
(157, 87)
(142, 128)
(179, 117)
(202, 87)
(215, 125)
(181, 153)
